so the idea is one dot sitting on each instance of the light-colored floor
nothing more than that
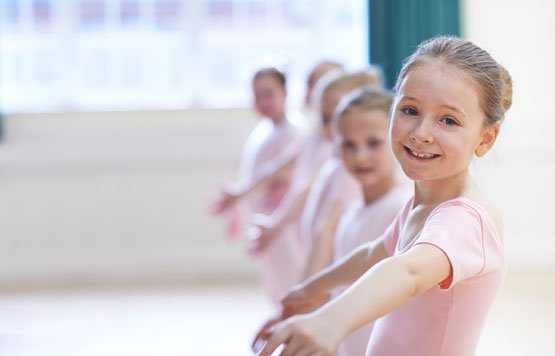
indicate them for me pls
(220, 320)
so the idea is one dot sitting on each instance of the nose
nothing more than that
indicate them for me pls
(363, 154)
(422, 131)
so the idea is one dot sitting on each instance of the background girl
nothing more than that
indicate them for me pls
(362, 122)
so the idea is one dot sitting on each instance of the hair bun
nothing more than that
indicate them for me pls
(507, 88)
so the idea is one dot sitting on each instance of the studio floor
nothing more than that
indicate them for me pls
(220, 320)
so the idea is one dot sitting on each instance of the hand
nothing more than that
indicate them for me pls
(224, 202)
(298, 301)
(261, 235)
(302, 299)
(263, 333)
(303, 335)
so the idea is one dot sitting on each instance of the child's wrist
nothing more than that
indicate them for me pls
(339, 327)
(315, 289)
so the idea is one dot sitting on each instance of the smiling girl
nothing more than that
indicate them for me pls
(431, 278)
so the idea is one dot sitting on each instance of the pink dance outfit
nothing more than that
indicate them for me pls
(263, 146)
(282, 263)
(447, 319)
(360, 224)
(333, 186)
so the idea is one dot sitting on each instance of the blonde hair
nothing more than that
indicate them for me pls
(271, 71)
(320, 69)
(345, 83)
(366, 98)
(494, 81)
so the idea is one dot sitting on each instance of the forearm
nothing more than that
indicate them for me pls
(379, 291)
(321, 253)
(387, 286)
(290, 206)
(280, 166)
(347, 270)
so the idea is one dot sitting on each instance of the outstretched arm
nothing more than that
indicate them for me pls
(321, 253)
(269, 226)
(315, 291)
(385, 287)
(281, 165)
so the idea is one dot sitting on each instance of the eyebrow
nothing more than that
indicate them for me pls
(451, 107)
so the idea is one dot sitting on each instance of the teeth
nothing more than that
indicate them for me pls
(422, 155)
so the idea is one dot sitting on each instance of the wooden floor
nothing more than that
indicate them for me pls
(220, 320)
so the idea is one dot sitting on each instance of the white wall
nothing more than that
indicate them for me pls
(521, 173)
(117, 196)
(121, 196)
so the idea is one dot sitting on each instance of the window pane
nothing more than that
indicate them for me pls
(10, 13)
(151, 54)
(218, 12)
(129, 13)
(167, 14)
(92, 14)
(42, 14)
(298, 13)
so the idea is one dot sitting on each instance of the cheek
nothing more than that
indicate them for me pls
(384, 158)
(347, 158)
(395, 131)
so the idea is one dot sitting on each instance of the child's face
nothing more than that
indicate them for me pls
(364, 146)
(437, 122)
(269, 97)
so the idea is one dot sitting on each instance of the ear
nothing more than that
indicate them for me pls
(489, 135)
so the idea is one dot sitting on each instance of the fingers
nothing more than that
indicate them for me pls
(279, 336)
(259, 242)
(295, 348)
(221, 205)
(264, 333)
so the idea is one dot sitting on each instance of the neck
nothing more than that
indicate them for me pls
(371, 194)
(433, 192)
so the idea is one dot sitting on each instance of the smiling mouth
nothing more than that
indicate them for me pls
(420, 155)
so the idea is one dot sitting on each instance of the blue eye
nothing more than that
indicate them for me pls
(410, 111)
(449, 121)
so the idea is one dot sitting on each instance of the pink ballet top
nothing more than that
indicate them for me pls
(264, 144)
(333, 186)
(448, 318)
(362, 223)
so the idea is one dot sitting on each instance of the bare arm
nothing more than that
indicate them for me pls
(412, 273)
(268, 226)
(282, 165)
(321, 253)
(314, 291)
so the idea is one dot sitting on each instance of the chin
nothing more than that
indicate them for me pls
(415, 175)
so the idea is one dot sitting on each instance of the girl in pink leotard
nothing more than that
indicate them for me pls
(440, 263)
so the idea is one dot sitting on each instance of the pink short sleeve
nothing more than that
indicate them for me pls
(456, 229)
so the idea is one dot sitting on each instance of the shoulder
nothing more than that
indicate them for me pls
(330, 168)
(481, 209)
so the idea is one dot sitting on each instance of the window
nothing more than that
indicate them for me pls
(156, 54)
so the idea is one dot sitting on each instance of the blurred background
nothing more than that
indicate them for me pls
(122, 119)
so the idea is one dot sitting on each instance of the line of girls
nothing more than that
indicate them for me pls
(359, 264)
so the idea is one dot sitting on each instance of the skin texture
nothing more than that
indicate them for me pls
(269, 97)
(365, 151)
(437, 114)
